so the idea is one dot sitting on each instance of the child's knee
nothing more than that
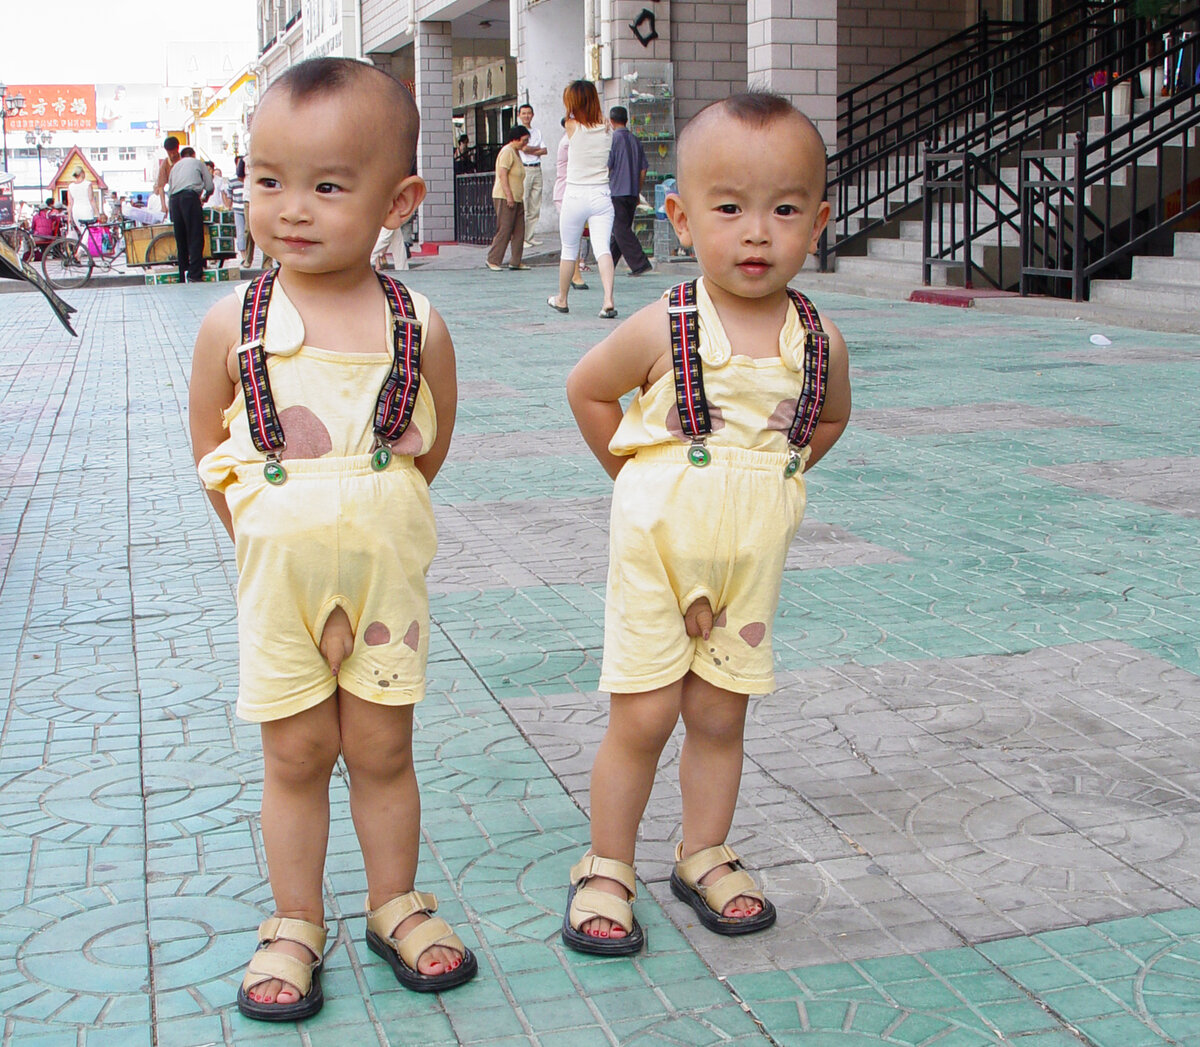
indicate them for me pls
(299, 757)
(384, 751)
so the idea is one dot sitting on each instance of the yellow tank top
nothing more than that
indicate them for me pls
(751, 402)
(325, 399)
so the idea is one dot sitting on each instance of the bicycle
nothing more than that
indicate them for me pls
(17, 237)
(69, 261)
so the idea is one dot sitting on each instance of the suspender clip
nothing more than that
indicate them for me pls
(274, 471)
(250, 346)
(794, 463)
(698, 454)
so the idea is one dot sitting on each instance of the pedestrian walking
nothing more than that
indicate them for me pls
(531, 156)
(709, 492)
(508, 197)
(323, 475)
(627, 166)
(586, 200)
(188, 183)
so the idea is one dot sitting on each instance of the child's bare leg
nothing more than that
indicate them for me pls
(710, 773)
(622, 777)
(386, 807)
(298, 756)
(337, 640)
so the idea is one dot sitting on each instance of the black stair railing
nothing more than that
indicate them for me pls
(880, 176)
(868, 101)
(1087, 208)
(891, 96)
(984, 168)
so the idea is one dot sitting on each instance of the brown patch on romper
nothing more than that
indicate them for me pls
(782, 417)
(412, 638)
(720, 622)
(307, 436)
(377, 634)
(409, 442)
(676, 430)
(753, 633)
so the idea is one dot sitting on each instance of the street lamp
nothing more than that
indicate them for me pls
(10, 105)
(38, 137)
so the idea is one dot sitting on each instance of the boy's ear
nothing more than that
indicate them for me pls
(406, 198)
(819, 227)
(678, 217)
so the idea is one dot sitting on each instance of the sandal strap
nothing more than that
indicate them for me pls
(700, 864)
(720, 893)
(266, 966)
(434, 931)
(590, 902)
(592, 865)
(283, 928)
(391, 914)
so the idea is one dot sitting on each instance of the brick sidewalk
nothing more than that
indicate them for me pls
(975, 798)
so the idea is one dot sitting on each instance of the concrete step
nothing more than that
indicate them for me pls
(891, 270)
(1141, 294)
(1157, 269)
(897, 250)
(1187, 245)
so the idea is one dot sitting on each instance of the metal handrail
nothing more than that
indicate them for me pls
(1013, 55)
(1095, 164)
(877, 155)
(1033, 139)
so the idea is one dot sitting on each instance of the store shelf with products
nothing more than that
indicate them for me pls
(648, 93)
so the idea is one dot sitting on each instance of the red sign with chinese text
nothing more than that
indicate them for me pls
(54, 107)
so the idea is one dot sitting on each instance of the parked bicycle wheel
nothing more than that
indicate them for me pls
(20, 241)
(66, 263)
(161, 251)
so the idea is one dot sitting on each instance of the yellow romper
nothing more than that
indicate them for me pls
(335, 534)
(679, 532)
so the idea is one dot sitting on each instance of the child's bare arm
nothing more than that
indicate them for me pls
(438, 370)
(623, 361)
(211, 388)
(835, 414)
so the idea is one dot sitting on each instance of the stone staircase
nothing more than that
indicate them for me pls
(894, 256)
(1160, 283)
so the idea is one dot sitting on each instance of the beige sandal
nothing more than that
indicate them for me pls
(709, 900)
(268, 966)
(402, 954)
(587, 903)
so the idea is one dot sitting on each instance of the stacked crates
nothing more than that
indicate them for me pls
(222, 233)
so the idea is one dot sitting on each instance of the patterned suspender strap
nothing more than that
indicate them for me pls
(398, 394)
(265, 428)
(684, 320)
(816, 376)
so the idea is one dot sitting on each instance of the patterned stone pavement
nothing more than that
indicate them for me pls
(975, 797)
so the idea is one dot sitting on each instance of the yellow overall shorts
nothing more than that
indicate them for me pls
(336, 533)
(679, 532)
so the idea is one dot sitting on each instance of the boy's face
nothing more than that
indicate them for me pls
(320, 187)
(750, 205)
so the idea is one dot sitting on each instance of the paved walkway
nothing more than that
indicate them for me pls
(975, 798)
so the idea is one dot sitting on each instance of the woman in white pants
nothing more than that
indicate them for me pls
(587, 200)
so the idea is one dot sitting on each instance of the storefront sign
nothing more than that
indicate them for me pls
(481, 84)
(322, 21)
(54, 107)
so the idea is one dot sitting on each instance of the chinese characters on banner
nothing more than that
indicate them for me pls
(54, 107)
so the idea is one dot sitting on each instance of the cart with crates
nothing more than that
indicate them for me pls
(153, 247)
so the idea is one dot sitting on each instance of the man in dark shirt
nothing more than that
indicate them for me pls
(626, 175)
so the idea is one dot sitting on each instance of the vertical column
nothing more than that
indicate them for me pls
(435, 146)
(792, 49)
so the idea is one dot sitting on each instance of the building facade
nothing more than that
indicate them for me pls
(471, 62)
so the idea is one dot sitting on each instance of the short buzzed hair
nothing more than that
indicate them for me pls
(319, 77)
(756, 109)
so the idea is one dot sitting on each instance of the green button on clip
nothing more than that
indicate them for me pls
(381, 458)
(793, 465)
(275, 473)
(698, 455)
